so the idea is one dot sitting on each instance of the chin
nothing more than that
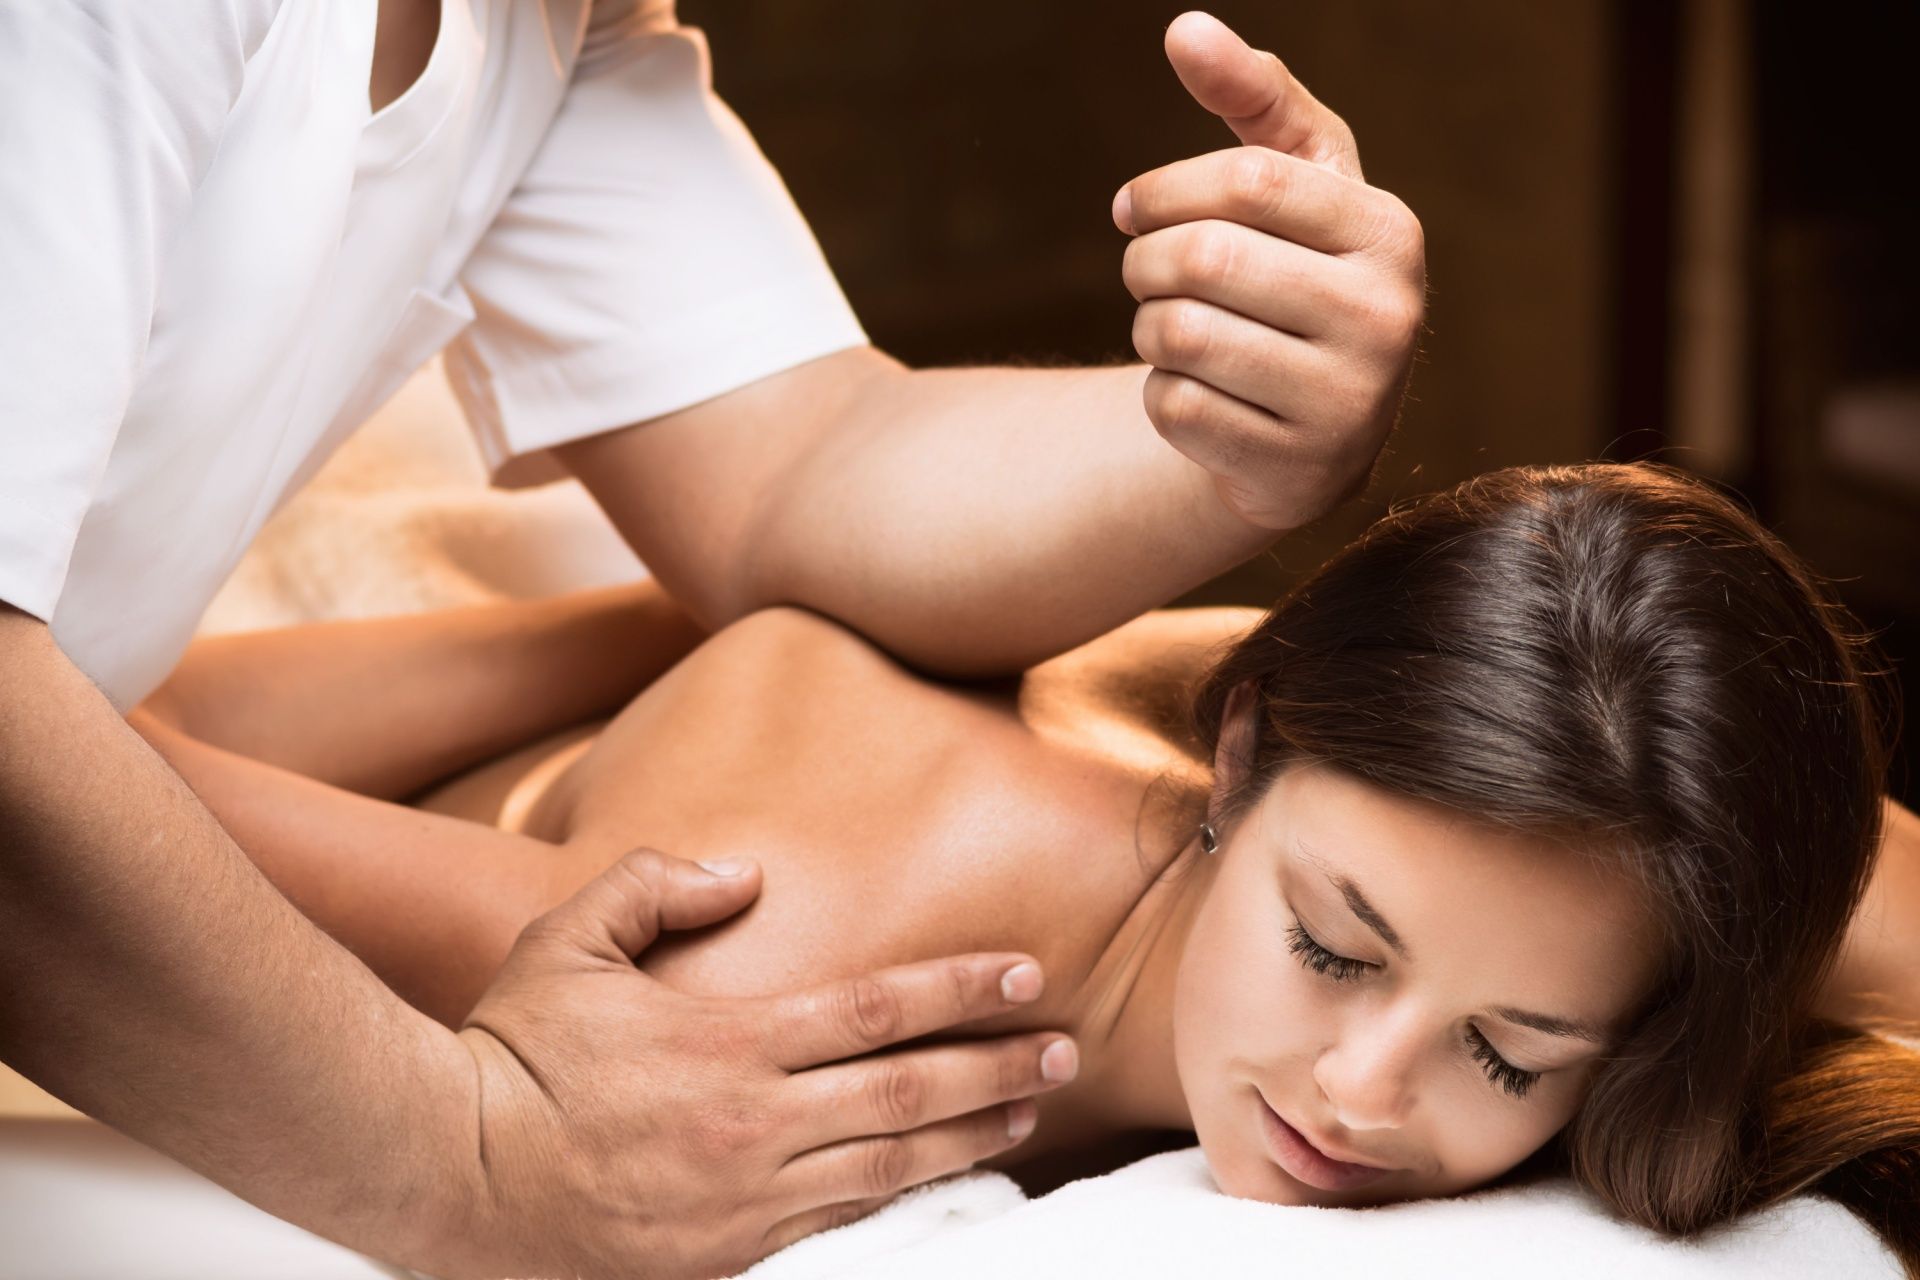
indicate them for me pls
(1249, 1175)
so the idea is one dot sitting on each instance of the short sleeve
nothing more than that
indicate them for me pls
(649, 258)
(110, 114)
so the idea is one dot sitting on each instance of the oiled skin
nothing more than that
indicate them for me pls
(895, 818)
(898, 819)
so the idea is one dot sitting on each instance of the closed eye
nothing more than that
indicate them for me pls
(1319, 959)
(1500, 1073)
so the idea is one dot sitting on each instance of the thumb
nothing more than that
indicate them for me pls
(1256, 95)
(620, 912)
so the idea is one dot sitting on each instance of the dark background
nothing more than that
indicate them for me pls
(1675, 230)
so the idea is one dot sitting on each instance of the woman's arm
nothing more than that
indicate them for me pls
(388, 706)
(431, 904)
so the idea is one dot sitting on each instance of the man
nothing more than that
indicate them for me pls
(232, 228)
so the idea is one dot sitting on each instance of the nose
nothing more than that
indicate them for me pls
(1367, 1075)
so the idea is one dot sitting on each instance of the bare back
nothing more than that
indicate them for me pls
(896, 818)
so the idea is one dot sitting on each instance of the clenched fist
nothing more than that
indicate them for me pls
(1281, 297)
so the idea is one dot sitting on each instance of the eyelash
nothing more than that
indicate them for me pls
(1317, 958)
(1499, 1072)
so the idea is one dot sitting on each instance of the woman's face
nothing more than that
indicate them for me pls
(1381, 999)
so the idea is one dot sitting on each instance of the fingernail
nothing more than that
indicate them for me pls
(1123, 210)
(724, 867)
(1021, 983)
(1060, 1061)
(1021, 1117)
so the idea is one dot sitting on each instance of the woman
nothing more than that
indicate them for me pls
(1532, 824)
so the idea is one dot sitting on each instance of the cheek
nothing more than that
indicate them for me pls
(1238, 1018)
(1202, 1010)
(1216, 1015)
(1478, 1134)
(1230, 999)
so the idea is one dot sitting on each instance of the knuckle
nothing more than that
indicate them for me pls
(719, 1134)
(1144, 333)
(888, 1161)
(1253, 181)
(842, 1215)
(1408, 317)
(730, 1039)
(1185, 332)
(1392, 316)
(541, 931)
(639, 861)
(1133, 265)
(1398, 232)
(1014, 1072)
(550, 939)
(963, 988)
(1178, 404)
(1342, 134)
(899, 1095)
(1208, 256)
(643, 866)
(871, 1010)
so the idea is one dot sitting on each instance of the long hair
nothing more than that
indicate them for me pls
(1619, 655)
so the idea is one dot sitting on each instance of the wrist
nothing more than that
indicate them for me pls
(435, 1221)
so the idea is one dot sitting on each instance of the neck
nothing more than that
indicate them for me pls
(1124, 1010)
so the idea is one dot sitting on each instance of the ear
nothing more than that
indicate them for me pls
(1239, 734)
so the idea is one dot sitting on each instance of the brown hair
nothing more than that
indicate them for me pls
(1619, 653)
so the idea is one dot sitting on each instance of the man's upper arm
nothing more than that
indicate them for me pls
(690, 490)
(648, 260)
(26, 646)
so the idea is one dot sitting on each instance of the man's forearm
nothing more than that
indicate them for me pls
(156, 981)
(975, 521)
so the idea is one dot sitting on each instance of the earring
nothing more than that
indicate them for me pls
(1209, 841)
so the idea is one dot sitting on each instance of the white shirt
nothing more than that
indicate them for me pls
(215, 263)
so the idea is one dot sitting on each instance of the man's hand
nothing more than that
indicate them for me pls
(975, 522)
(1280, 296)
(627, 1129)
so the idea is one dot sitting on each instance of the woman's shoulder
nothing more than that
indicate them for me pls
(895, 818)
(1166, 642)
(1139, 678)
(1183, 640)
(1142, 674)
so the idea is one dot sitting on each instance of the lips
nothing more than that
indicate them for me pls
(1305, 1162)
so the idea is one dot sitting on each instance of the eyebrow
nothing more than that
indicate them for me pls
(1570, 1028)
(1356, 901)
(1368, 913)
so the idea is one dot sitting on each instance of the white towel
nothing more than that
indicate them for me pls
(924, 1215)
(1163, 1218)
